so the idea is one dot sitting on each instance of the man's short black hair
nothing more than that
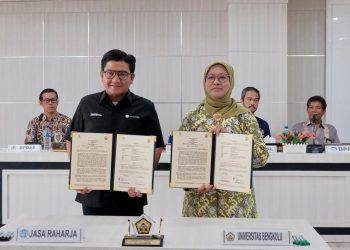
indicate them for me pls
(118, 55)
(245, 90)
(47, 91)
(317, 98)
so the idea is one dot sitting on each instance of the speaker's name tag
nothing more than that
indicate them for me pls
(257, 237)
(338, 149)
(25, 148)
(49, 234)
(271, 148)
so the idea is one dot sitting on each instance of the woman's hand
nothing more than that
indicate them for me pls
(205, 189)
(133, 193)
(218, 129)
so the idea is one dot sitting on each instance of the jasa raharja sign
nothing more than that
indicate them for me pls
(49, 234)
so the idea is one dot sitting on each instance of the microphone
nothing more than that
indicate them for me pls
(314, 148)
(314, 118)
(313, 121)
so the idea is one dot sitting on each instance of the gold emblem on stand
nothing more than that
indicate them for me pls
(143, 228)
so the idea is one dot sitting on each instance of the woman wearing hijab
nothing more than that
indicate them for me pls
(219, 106)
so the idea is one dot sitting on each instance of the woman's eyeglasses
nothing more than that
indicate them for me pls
(221, 78)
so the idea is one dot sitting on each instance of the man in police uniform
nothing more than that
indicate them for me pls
(116, 110)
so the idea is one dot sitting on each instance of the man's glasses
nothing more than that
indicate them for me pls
(221, 78)
(122, 75)
(52, 100)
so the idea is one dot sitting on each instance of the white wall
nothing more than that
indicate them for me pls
(59, 44)
(306, 55)
(338, 61)
(258, 52)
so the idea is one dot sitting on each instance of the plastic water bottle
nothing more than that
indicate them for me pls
(47, 138)
(285, 128)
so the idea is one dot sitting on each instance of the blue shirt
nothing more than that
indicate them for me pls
(264, 126)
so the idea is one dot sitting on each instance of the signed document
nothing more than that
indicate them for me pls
(134, 163)
(233, 161)
(91, 158)
(224, 161)
(191, 159)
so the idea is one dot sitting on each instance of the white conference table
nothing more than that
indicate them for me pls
(314, 187)
(103, 232)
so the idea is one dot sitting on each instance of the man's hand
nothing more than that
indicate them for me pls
(84, 191)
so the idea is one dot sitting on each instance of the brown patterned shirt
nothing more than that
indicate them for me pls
(58, 124)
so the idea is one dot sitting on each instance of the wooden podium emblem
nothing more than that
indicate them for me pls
(143, 235)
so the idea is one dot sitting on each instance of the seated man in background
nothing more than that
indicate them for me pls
(57, 123)
(324, 133)
(250, 98)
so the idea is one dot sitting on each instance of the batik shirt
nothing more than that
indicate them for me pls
(59, 124)
(221, 203)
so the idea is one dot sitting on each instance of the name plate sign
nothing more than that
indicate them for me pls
(25, 148)
(338, 149)
(49, 234)
(257, 237)
(271, 148)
